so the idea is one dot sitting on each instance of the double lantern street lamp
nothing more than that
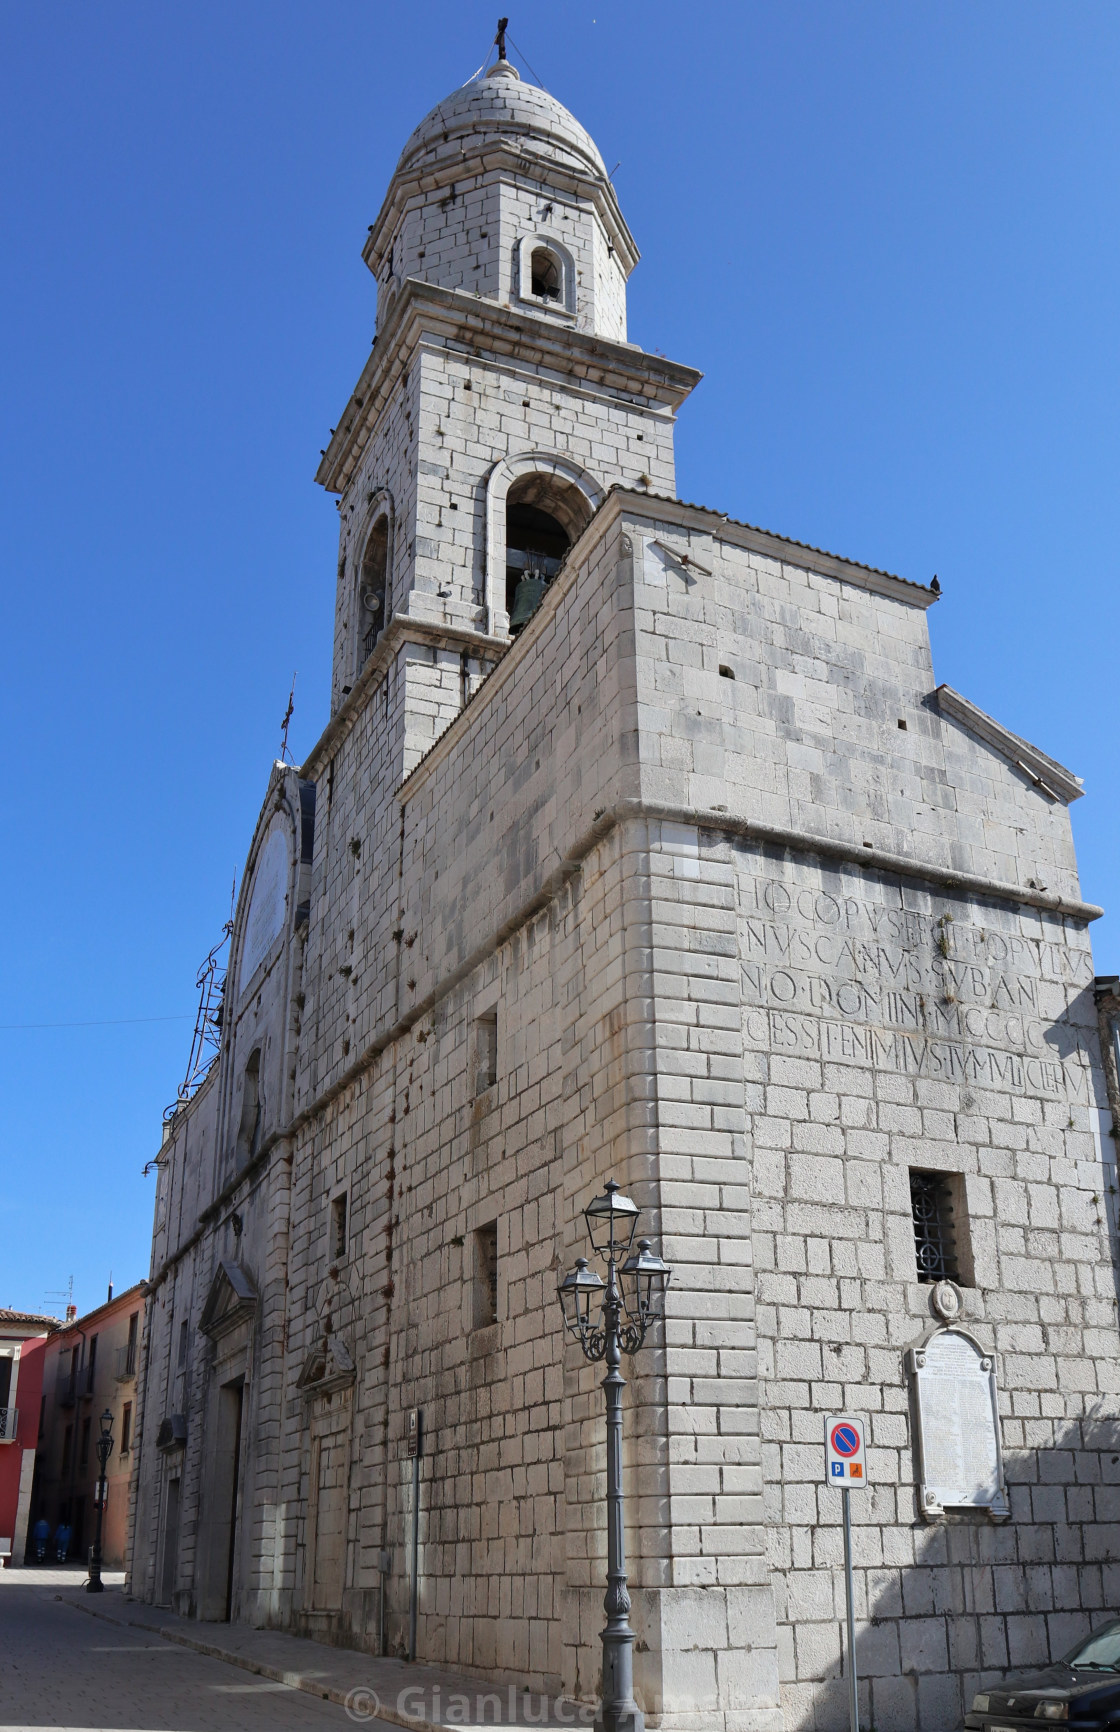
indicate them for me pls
(104, 1451)
(610, 1318)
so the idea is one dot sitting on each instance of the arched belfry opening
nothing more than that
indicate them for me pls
(544, 516)
(373, 611)
(546, 276)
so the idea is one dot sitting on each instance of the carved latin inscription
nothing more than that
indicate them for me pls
(852, 981)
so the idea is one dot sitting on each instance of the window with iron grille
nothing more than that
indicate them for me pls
(935, 1240)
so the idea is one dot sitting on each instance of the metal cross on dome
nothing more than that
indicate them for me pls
(500, 38)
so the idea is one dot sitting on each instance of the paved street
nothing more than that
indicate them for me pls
(61, 1667)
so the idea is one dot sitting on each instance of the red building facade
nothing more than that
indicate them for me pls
(23, 1341)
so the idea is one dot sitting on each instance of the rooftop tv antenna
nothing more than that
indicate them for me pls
(66, 1293)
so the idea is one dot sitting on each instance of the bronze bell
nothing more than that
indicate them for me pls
(527, 597)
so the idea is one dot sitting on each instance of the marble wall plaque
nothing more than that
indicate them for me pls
(960, 1463)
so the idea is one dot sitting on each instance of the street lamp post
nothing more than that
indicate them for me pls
(628, 1302)
(104, 1450)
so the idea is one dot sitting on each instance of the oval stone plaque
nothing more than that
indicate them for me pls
(960, 1461)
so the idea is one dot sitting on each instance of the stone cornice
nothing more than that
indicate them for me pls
(489, 328)
(721, 824)
(1046, 774)
(781, 547)
(500, 156)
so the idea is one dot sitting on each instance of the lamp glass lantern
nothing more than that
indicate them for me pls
(611, 1222)
(645, 1278)
(578, 1292)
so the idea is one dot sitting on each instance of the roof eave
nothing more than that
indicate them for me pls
(1050, 777)
(783, 547)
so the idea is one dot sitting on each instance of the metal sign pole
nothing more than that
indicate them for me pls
(415, 1444)
(853, 1681)
(414, 1586)
(845, 1465)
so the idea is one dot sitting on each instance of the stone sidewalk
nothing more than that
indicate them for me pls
(372, 1691)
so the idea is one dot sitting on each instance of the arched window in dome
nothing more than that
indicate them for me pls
(372, 609)
(544, 515)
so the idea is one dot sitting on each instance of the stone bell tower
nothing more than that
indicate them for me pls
(500, 401)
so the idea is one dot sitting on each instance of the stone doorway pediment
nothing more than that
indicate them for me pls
(232, 1300)
(329, 1366)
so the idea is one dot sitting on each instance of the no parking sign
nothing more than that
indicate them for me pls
(845, 1463)
(845, 1466)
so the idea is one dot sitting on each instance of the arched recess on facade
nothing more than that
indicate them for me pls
(537, 505)
(273, 901)
(371, 601)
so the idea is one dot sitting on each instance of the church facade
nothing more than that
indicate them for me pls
(643, 844)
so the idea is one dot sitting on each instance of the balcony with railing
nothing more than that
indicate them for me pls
(126, 1362)
(9, 1420)
(66, 1386)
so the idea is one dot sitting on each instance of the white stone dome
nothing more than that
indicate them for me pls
(499, 105)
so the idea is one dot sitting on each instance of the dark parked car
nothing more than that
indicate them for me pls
(1084, 1688)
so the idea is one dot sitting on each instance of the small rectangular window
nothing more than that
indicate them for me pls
(126, 1428)
(92, 1364)
(83, 1453)
(486, 1052)
(338, 1227)
(935, 1225)
(486, 1275)
(184, 1342)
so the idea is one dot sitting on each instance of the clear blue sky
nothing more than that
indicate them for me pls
(887, 233)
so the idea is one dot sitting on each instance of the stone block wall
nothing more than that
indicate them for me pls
(476, 412)
(651, 875)
(803, 729)
(853, 1082)
(385, 483)
(453, 240)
